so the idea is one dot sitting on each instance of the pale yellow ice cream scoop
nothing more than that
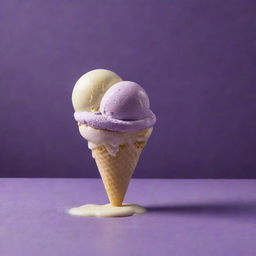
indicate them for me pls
(91, 87)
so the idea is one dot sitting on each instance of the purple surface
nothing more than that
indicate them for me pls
(196, 60)
(185, 217)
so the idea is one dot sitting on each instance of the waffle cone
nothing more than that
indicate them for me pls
(116, 171)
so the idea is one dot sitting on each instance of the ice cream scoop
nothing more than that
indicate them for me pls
(90, 88)
(125, 101)
(124, 107)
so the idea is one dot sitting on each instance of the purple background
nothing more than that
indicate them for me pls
(196, 59)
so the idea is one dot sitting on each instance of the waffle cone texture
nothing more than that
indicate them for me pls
(116, 171)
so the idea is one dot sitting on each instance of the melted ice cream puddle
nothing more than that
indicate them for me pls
(107, 210)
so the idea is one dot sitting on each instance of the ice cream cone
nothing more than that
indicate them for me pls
(116, 171)
(114, 116)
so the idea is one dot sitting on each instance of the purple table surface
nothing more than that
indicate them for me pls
(185, 217)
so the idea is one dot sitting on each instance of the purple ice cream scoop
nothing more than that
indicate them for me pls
(124, 107)
(125, 101)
